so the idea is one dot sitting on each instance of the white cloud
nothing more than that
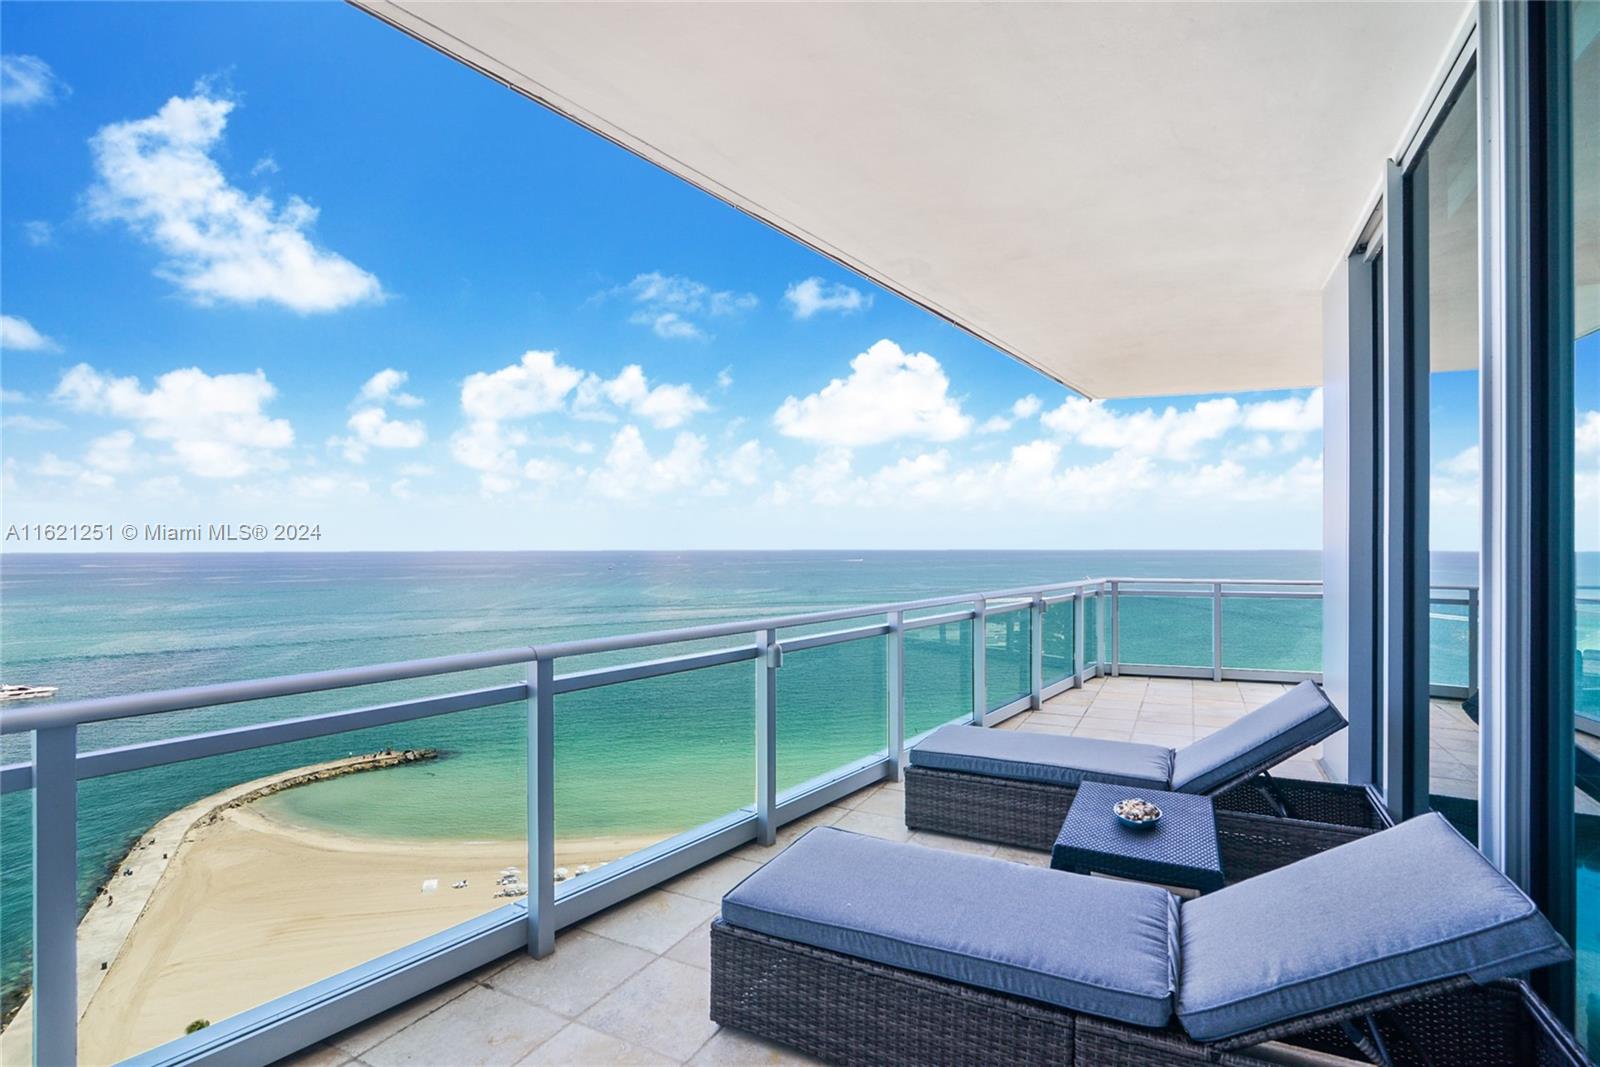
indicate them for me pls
(1587, 433)
(1170, 435)
(112, 453)
(671, 304)
(806, 298)
(157, 175)
(1030, 472)
(538, 384)
(629, 471)
(663, 406)
(1291, 415)
(27, 81)
(19, 334)
(38, 232)
(384, 387)
(264, 165)
(491, 450)
(889, 394)
(546, 473)
(725, 378)
(326, 486)
(213, 425)
(744, 465)
(1458, 480)
(1022, 408)
(535, 385)
(30, 423)
(1467, 463)
(105, 457)
(371, 426)
(1180, 434)
(1231, 482)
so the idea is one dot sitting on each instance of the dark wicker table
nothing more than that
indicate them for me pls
(1179, 850)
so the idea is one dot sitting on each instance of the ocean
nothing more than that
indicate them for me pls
(656, 757)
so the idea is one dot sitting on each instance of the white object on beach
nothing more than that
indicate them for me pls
(583, 868)
(562, 874)
(430, 884)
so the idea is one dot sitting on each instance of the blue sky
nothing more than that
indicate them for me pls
(279, 263)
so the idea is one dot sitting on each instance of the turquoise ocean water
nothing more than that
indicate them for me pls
(652, 757)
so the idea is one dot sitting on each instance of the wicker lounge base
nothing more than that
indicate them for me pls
(1253, 837)
(849, 1011)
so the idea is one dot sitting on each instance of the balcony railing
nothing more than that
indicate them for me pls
(1026, 645)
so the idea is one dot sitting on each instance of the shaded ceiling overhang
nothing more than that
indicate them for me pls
(1136, 199)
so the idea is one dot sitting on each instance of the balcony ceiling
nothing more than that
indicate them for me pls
(1137, 199)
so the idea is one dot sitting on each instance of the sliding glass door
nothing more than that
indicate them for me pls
(1443, 205)
(1585, 124)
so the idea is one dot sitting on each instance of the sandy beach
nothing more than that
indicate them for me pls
(249, 908)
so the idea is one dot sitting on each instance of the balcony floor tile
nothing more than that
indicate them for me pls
(654, 922)
(483, 1026)
(578, 1044)
(583, 968)
(666, 1008)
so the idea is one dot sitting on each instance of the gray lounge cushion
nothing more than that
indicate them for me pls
(1054, 759)
(1271, 733)
(1085, 944)
(1411, 905)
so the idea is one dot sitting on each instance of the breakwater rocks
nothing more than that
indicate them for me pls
(322, 772)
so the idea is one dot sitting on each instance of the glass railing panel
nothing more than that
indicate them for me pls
(1272, 634)
(642, 761)
(16, 914)
(1164, 630)
(255, 874)
(1586, 663)
(832, 709)
(938, 669)
(1449, 644)
(1008, 656)
(1057, 642)
(1092, 607)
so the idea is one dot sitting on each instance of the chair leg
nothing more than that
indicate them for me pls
(1269, 790)
(1363, 1034)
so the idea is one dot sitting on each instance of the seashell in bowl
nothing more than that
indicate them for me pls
(1136, 811)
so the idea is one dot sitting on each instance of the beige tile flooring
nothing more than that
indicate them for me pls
(631, 985)
(1452, 750)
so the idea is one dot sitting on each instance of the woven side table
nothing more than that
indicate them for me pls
(1179, 850)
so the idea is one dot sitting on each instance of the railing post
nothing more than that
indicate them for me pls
(1216, 631)
(541, 808)
(895, 661)
(980, 665)
(1116, 631)
(1036, 652)
(768, 658)
(1078, 614)
(1472, 639)
(55, 895)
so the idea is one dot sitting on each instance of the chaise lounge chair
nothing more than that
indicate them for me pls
(1397, 948)
(1014, 787)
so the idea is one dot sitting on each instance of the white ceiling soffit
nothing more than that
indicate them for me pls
(1137, 199)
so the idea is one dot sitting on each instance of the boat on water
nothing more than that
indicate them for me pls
(9, 693)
